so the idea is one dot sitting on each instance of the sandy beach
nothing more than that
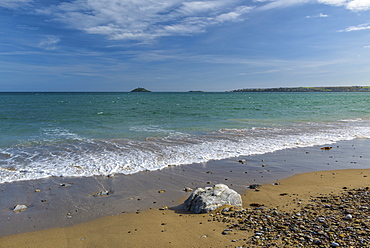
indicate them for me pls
(151, 215)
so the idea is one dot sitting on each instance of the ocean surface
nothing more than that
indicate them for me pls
(87, 134)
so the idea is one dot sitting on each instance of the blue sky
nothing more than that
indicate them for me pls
(176, 45)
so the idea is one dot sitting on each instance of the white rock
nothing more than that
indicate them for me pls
(101, 193)
(348, 217)
(321, 219)
(334, 244)
(19, 208)
(211, 198)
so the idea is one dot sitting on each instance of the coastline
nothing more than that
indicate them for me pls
(71, 207)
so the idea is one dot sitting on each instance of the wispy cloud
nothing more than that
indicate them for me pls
(281, 4)
(26, 27)
(145, 19)
(49, 42)
(353, 5)
(321, 15)
(334, 2)
(356, 28)
(13, 3)
(273, 65)
(85, 69)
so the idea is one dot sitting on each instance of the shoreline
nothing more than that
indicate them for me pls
(175, 227)
(73, 203)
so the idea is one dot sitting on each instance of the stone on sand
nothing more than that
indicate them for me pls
(19, 208)
(211, 198)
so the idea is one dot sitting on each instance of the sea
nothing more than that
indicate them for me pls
(91, 134)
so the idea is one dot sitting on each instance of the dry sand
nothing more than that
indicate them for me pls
(175, 228)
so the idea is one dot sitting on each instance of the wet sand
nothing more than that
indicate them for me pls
(67, 203)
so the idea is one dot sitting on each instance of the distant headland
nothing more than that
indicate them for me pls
(310, 89)
(140, 90)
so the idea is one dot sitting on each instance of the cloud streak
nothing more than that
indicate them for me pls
(49, 42)
(281, 4)
(321, 15)
(145, 19)
(12, 4)
(353, 5)
(356, 28)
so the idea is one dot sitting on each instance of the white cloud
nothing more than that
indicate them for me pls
(234, 15)
(282, 4)
(145, 19)
(13, 3)
(359, 5)
(333, 2)
(49, 42)
(354, 5)
(356, 28)
(202, 6)
(321, 15)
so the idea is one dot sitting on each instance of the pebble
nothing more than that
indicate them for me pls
(348, 217)
(19, 208)
(334, 244)
(65, 184)
(321, 219)
(187, 189)
(101, 193)
(226, 231)
(254, 186)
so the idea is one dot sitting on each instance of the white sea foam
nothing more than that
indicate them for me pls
(56, 133)
(84, 157)
(155, 129)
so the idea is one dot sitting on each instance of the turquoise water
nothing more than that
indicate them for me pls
(85, 134)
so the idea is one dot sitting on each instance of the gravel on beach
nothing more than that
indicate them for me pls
(333, 220)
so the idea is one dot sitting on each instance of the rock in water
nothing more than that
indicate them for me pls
(211, 198)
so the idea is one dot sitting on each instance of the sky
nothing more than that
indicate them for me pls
(177, 45)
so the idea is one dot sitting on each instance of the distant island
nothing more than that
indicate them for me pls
(140, 90)
(310, 89)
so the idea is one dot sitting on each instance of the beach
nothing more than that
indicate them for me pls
(144, 209)
(117, 116)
